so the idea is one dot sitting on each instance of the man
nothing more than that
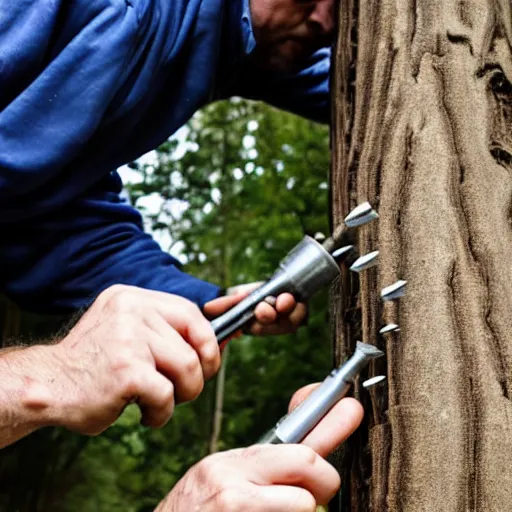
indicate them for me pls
(86, 86)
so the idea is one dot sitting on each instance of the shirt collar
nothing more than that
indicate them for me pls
(240, 35)
(248, 41)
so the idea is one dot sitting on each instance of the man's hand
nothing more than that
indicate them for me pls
(285, 317)
(132, 345)
(269, 478)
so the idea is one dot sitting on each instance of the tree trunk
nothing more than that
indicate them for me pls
(421, 129)
(218, 411)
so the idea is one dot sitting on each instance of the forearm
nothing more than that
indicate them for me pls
(26, 402)
(79, 257)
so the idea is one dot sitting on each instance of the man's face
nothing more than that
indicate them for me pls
(289, 31)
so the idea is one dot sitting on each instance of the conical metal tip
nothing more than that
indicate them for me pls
(360, 215)
(393, 291)
(374, 381)
(365, 262)
(389, 328)
(342, 251)
(370, 351)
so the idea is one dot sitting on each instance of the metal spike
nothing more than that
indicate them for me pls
(389, 328)
(373, 381)
(361, 215)
(393, 291)
(342, 251)
(364, 262)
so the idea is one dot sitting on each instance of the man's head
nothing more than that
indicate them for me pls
(289, 31)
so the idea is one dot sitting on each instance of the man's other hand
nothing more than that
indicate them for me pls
(132, 345)
(269, 478)
(285, 317)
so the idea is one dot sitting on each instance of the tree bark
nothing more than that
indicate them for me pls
(422, 129)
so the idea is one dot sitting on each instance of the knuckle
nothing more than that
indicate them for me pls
(252, 452)
(307, 455)
(130, 382)
(210, 355)
(191, 365)
(189, 308)
(123, 359)
(120, 298)
(210, 469)
(123, 331)
(230, 499)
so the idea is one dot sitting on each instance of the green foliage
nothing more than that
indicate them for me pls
(251, 184)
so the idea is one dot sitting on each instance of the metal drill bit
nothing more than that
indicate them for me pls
(373, 381)
(393, 291)
(342, 234)
(360, 215)
(342, 251)
(365, 262)
(389, 328)
(296, 425)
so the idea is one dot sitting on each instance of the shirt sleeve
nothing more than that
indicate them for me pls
(61, 68)
(62, 261)
(305, 93)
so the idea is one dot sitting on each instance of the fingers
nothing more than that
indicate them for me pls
(265, 313)
(285, 317)
(338, 424)
(233, 296)
(292, 465)
(285, 303)
(300, 395)
(218, 306)
(335, 428)
(185, 318)
(182, 315)
(155, 396)
(180, 363)
(269, 324)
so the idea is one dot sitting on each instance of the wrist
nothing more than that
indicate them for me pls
(27, 402)
(34, 375)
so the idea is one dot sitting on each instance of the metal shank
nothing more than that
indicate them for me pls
(296, 425)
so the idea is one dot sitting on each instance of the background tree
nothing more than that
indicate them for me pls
(422, 129)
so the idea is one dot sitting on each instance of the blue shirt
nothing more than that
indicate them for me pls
(87, 86)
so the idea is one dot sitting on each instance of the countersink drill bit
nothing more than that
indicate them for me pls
(360, 215)
(294, 427)
(393, 291)
(373, 381)
(389, 328)
(365, 262)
